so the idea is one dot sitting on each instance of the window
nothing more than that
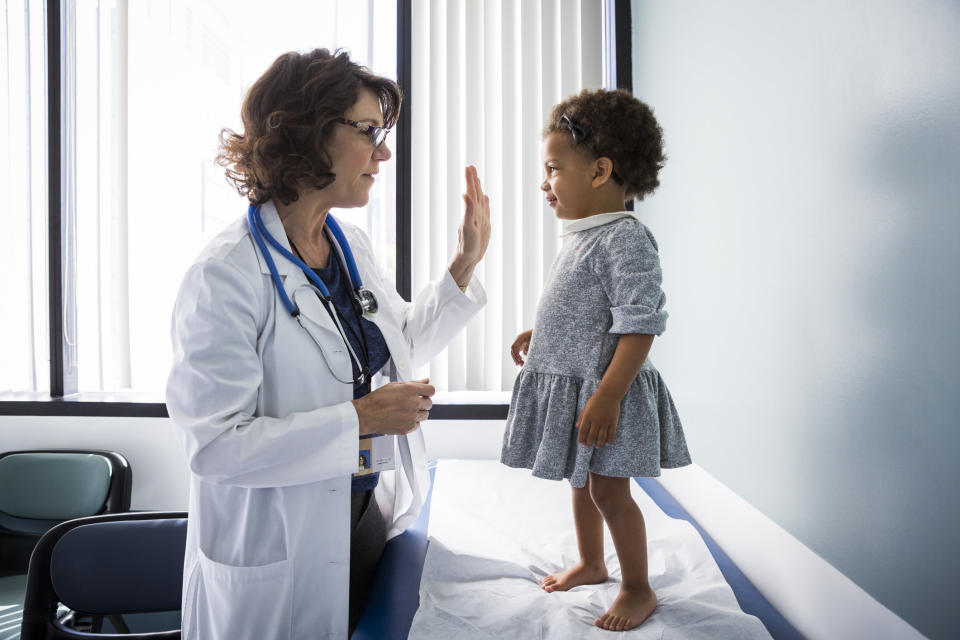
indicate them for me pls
(24, 365)
(482, 95)
(146, 88)
(150, 85)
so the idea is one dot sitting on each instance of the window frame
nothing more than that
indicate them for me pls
(63, 398)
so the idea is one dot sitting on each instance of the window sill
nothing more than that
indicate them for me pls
(459, 405)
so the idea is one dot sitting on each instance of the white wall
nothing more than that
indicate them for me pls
(160, 474)
(810, 239)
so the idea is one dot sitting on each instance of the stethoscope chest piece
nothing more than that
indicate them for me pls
(368, 301)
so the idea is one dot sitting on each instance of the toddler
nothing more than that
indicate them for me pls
(588, 405)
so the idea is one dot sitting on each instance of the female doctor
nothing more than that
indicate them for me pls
(277, 329)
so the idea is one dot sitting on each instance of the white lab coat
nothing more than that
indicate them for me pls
(271, 437)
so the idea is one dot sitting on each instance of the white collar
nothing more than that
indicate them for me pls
(595, 221)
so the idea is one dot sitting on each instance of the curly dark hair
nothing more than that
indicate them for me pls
(617, 126)
(288, 119)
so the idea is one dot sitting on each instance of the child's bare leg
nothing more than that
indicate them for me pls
(636, 600)
(589, 523)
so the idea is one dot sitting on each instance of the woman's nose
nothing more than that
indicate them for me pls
(544, 186)
(383, 152)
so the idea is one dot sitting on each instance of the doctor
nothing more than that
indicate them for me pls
(277, 329)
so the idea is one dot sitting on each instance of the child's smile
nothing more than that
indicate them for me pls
(566, 178)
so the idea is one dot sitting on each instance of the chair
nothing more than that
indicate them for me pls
(107, 565)
(41, 489)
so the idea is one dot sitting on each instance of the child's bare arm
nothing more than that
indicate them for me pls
(632, 350)
(598, 420)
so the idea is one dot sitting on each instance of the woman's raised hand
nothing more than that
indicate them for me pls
(396, 408)
(522, 343)
(474, 233)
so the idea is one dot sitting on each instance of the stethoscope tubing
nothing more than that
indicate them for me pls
(259, 231)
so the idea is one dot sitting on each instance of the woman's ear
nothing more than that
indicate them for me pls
(602, 171)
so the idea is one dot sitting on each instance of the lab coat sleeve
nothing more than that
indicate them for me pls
(438, 313)
(214, 384)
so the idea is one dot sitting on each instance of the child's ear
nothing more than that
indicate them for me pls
(602, 171)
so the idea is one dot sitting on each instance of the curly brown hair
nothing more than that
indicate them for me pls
(617, 126)
(289, 115)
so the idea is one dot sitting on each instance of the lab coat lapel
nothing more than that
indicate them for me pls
(313, 312)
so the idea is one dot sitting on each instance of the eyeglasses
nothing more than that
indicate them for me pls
(376, 134)
(581, 133)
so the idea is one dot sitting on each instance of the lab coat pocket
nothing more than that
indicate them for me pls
(243, 602)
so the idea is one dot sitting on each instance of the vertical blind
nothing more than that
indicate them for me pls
(486, 74)
(142, 192)
(24, 364)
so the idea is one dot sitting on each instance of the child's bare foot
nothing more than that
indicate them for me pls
(628, 610)
(574, 577)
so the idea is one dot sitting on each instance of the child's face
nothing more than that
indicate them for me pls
(568, 178)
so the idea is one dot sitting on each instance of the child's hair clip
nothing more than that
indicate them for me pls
(579, 132)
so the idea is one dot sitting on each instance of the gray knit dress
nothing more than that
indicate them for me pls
(605, 282)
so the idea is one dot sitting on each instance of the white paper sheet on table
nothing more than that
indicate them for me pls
(495, 532)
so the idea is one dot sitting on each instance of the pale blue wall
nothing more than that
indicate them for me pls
(809, 226)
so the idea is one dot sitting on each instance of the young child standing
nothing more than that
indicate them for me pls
(588, 405)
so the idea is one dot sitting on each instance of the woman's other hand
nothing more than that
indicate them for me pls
(396, 408)
(473, 236)
(521, 344)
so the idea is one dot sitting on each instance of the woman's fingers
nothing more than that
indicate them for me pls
(479, 189)
(470, 174)
(474, 190)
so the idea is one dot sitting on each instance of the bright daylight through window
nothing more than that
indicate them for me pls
(153, 84)
(24, 363)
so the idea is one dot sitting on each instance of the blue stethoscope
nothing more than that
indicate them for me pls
(363, 299)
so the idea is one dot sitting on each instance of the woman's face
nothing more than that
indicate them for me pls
(355, 160)
(567, 178)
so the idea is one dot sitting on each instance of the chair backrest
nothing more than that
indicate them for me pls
(44, 488)
(103, 565)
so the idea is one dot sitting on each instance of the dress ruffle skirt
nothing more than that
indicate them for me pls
(541, 436)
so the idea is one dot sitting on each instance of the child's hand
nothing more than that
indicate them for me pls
(598, 420)
(521, 343)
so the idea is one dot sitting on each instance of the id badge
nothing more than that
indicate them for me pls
(376, 454)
